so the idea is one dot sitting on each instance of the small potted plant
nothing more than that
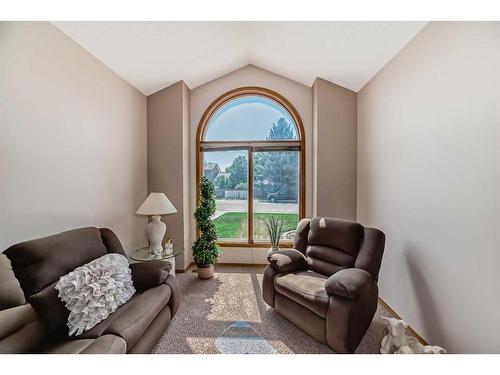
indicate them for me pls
(274, 229)
(206, 253)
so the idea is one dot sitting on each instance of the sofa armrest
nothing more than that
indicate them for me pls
(349, 283)
(175, 295)
(149, 274)
(287, 261)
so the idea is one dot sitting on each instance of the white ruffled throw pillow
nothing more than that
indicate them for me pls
(93, 291)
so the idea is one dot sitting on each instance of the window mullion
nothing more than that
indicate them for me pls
(250, 195)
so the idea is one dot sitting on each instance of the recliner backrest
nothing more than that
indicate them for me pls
(11, 294)
(371, 251)
(332, 244)
(38, 265)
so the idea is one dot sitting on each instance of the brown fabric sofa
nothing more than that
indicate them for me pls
(327, 284)
(33, 319)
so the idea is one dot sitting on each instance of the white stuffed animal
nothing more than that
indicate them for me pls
(413, 346)
(417, 348)
(397, 342)
(430, 349)
(396, 336)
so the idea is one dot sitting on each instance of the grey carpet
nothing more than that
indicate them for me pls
(210, 307)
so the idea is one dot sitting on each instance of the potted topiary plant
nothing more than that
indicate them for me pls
(206, 253)
(274, 229)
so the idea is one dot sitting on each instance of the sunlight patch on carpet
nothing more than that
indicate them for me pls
(241, 338)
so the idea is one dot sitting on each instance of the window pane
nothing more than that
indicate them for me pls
(276, 191)
(228, 172)
(251, 118)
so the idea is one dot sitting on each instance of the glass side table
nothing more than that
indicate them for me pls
(144, 255)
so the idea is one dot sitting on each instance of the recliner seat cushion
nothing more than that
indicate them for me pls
(306, 288)
(130, 320)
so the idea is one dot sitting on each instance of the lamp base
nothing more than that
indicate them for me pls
(155, 231)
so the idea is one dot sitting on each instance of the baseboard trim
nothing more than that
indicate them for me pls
(412, 331)
(256, 265)
(187, 268)
(244, 264)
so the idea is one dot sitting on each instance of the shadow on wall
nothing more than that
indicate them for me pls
(426, 302)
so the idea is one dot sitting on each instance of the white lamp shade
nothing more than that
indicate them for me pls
(156, 204)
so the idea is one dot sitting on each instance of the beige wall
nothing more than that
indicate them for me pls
(334, 147)
(167, 162)
(301, 98)
(429, 176)
(72, 139)
(186, 177)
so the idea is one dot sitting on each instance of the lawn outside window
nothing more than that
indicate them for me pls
(250, 145)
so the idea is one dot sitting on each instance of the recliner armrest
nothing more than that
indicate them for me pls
(149, 274)
(349, 283)
(13, 319)
(287, 260)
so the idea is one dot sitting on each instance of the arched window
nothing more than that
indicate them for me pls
(250, 144)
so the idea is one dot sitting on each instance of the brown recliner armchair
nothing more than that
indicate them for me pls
(327, 284)
(33, 318)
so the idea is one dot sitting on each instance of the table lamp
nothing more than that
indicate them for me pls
(156, 204)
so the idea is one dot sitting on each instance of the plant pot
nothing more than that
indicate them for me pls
(272, 250)
(205, 271)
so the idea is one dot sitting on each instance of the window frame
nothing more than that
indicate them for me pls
(251, 147)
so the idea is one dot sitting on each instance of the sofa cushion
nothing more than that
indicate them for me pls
(38, 263)
(307, 288)
(130, 320)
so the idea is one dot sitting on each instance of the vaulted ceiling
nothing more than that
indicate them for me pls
(153, 55)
